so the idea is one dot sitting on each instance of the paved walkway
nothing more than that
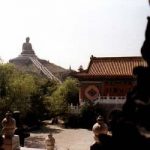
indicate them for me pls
(66, 139)
(25, 148)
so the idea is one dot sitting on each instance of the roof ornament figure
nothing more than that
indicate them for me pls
(80, 68)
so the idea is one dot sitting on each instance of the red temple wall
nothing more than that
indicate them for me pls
(91, 90)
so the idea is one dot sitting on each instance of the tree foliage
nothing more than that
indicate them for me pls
(33, 95)
(15, 89)
(21, 89)
(64, 95)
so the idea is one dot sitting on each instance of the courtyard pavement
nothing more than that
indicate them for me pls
(65, 139)
(25, 148)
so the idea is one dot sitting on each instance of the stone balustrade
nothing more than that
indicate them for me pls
(110, 100)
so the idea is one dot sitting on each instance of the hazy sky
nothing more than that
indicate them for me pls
(68, 32)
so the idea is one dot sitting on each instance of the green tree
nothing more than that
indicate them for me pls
(22, 87)
(64, 95)
(39, 104)
(71, 91)
(6, 73)
(15, 89)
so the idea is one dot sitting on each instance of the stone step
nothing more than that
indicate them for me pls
(44, 69)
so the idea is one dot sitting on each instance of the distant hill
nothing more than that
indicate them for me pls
(27, 61)
(26, 65)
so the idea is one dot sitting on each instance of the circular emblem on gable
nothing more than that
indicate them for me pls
(92, 92)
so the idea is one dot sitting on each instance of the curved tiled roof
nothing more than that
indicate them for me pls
(112, 66)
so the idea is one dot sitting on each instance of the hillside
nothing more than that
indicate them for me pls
(26, 65)
(27, 61)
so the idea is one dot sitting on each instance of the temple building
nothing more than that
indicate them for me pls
(107, 79)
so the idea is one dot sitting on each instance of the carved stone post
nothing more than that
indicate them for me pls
(50, 142)
(11, 141)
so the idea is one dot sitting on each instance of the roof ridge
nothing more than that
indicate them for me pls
(131, 58)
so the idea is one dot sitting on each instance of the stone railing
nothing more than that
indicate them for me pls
(44, 70)
(74, 109)
(110, 100)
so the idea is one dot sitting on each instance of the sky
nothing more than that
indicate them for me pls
(68, 32)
